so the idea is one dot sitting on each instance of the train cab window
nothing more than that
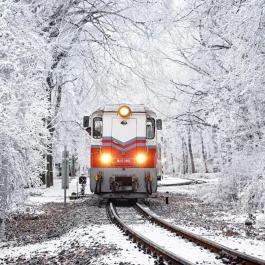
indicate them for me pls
(97, 127)
(150, 128)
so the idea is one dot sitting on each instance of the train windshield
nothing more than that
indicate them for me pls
(150, 128)
(97, 127)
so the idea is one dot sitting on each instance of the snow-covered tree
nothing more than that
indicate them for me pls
(100, 51)
(223, 54)
(23, 103)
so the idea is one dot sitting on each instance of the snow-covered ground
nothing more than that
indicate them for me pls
(55, 193)
(101, 243)
(251, 247)
(114, 246)
(173, 181)
(97, 243)
(202, 191)
(229, 222)
(177, 185)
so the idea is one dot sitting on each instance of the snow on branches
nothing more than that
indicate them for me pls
(225, 58)
(23, 104)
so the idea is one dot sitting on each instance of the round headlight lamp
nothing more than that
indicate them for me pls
(106, 158)
(141, 158)
(124, 111)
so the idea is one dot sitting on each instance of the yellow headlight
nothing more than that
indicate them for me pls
(141, 158)
(124, 111)
(105, 158)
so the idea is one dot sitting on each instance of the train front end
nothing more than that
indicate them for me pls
(123, 151)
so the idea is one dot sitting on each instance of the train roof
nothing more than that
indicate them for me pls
(140, 108)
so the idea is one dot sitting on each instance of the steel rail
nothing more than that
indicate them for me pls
(223, 251)
(150, 246)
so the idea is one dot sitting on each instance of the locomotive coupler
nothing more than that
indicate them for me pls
(112, 183)
(135, 183)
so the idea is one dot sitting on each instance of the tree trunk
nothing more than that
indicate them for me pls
(52, 114)
(204, 155)
(49, 156)
(216, 167)
(190, 151)
(49, 175)
(185, 163)
(172, 164)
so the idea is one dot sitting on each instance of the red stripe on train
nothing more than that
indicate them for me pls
(122, 159)
(113, 142)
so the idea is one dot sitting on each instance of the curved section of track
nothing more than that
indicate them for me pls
(233, 256)
(150, 246)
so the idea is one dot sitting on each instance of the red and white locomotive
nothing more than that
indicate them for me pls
(124, 156)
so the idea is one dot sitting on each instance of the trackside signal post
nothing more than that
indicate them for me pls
(65, 172)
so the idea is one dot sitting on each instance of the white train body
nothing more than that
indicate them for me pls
(124, 161)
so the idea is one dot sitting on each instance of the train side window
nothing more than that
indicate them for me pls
(150, 128)
(97, 127)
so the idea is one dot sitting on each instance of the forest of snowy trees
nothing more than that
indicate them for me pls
(198, 63)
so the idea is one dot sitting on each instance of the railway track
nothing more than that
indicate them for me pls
(129, 220)
(143, 242)
(232, 256)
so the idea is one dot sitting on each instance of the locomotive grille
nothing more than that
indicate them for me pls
(124, 180)
(123, 183)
